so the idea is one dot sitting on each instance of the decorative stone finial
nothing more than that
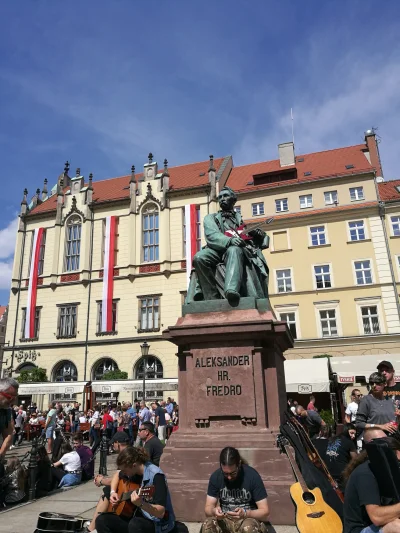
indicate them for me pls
(45, 185)
(66, 168)
(90, 181)
(78, 172)
(150, 158)
(38, 192)
(25, 196)
(132, 180)
(166, 167)
(211, 167)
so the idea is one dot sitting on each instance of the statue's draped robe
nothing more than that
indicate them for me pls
(220, 267)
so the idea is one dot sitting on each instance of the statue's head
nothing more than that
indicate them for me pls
(227, 198)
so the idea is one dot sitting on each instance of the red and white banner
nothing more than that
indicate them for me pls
(108, 275)
(190, 237)
(32, 287)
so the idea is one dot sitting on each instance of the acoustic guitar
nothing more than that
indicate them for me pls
(125, 507)
(313, 514)
(244, 231)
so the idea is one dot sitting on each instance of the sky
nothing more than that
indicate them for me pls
(101, 83)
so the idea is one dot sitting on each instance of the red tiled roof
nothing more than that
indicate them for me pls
(182, 177)
(320, 164)
(312, 212)
(3, 309)
(387, 190)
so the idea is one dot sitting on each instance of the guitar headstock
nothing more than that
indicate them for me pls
(282, 441)
(147, 492)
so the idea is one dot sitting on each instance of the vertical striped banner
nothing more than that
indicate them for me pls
(32, 287)
(108, 274)
(190, 236)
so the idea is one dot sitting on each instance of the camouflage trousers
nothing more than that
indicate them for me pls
(229, 525)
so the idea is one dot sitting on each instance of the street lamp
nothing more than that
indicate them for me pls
(145, 347)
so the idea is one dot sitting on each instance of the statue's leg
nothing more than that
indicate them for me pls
(234, 263)
(205, 262)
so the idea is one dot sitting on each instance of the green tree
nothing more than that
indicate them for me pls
(34, 375)
(115, 374)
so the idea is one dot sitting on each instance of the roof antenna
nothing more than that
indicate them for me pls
(291, 116)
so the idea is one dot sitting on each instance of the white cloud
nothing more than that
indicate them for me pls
(7, 239)
(5, 274)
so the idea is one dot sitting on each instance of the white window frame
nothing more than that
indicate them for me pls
(71, 256)
(325, 306)
(290, 308)
(357, 198)
(392, 232)
(307, 197)
(314, 276)
(397, 257)
(349, 230)
(370, 302)
(288, 241)
(257, 205)
(325, 232)
(281, 202)
(150, 212)
(291, 280)
(237, 209)
(371, 269)
(331, 200)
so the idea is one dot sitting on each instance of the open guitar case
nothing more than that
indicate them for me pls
(312, 475)
(385, 467)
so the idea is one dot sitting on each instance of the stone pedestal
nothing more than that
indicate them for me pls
(231, 393)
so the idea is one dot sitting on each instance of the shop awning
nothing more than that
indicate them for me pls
(65, 387)
(134, 385)
(358, 368)
(307, 376)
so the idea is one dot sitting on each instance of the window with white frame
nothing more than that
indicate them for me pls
(290, 319)
(356, 193)
(150, 228)
(73, 243)
(395, 225)
(36, 323)
(322, 275)
(357, 230)
(306, 201)
(41, 254)
(149, 313)
(67, 321)
(284, 280)
(331, 197)
(363, 272)
(328, 322)
(100, 317)
(257, 209)
(281, 205)
(318, 235)
(237, 209)
(370, 319)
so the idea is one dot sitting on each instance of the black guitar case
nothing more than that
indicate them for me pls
(59, 523)
(386, 469)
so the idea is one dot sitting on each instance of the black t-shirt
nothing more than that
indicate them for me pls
(393, 393)
(335, 453)
(154, 447)
(244, 491)
(161, 414)
(361, 490)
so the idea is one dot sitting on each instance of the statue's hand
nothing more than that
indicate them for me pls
(237, 241)
(257, 233)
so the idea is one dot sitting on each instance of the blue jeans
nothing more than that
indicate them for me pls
(70, 479)
(75, 426)
(372, 529)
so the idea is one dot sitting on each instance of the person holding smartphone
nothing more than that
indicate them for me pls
(236, 497)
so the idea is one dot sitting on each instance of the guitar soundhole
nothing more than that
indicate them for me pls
(309, 498)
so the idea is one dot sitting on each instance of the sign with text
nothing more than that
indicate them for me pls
(304, 389)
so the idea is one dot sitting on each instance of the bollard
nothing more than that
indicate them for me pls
(32, 470)
(103, 455)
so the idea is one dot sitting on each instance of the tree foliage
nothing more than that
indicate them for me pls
(115, 374)
(34, 375)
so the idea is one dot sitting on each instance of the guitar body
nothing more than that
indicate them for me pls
(238, 232)
(60, 523)
(313, 515)
(125, 507)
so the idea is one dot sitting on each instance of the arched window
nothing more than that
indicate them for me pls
(65, 371)
(150, 227)
(154, 370)
(73, 243)
(26, 366)
(102, 367)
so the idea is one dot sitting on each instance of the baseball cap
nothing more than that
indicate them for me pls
(388, 364)
(120, 436)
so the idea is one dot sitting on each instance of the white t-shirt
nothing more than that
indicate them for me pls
(71, 461)
(82, 419)
(351, 410)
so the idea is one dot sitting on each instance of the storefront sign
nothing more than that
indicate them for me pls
(346, 379)
(304, 389)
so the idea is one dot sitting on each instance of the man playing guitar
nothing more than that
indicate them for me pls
(154, 515)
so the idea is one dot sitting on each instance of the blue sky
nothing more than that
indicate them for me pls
(102, 83)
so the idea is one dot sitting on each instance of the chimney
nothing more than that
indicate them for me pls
(132, 190)
(44, 190)
(89, 190)
(286, 154)
(212, 179)
(372, 145)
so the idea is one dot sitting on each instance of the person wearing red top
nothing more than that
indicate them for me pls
(107, 422)
(311, 405)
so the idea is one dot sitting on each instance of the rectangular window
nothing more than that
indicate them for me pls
(357, 230)
(149, 312)
(36, 324)
(331, 197)
(73, 244)
(257, 209)
(100, 316)
(198, 230)
(237, 209)
(395, 225)
(290, 319)
(281, 205)
(322, 277)
(306, 201)
(318, 237)
(328, 322)
(67, 321)
(280, 241)
(370, 319)
(284, 280)
(363, 272)
(150, 221)
(41, 254)
(356, 193)
(115, 242)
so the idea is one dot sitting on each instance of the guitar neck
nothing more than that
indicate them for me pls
(295, 468)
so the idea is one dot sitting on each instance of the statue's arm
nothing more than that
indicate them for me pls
(261, 239)
(215, 239)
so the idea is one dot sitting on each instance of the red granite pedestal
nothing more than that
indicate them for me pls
(231, 393)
